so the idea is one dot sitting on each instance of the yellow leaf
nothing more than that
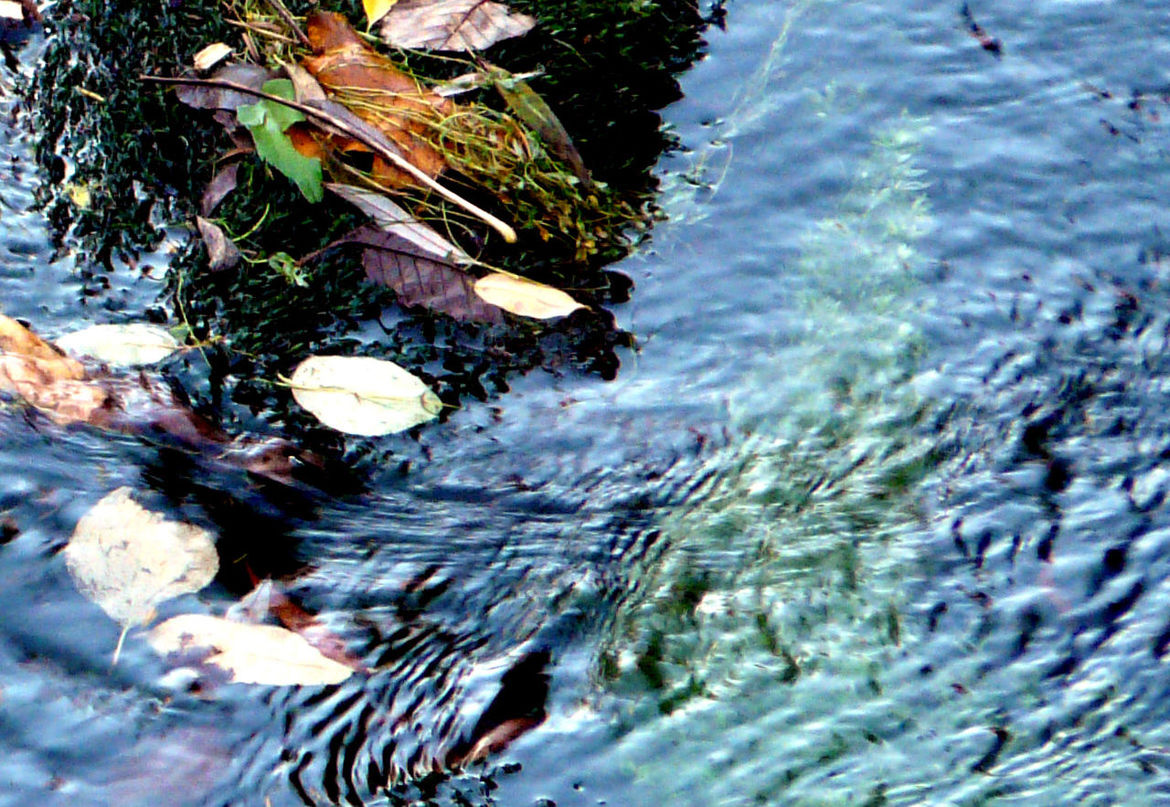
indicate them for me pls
(526, 298)
(377, 9)
(363, 395)
(128, 559)
(250, 654)
(127, 345)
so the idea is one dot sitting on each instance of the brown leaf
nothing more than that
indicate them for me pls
(391, 101)
(17, 339)
(222, 252)
(203, 97)
(452, 24)
(222, 184)
(38, 381)
(421, 278)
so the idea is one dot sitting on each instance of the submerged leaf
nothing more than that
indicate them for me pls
(452, 24)
(127, 345)
(267, 120)
(250, 654)
(525, 297)
(362, 395)
(128, 559)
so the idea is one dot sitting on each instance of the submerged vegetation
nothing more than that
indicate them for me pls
(127, 162)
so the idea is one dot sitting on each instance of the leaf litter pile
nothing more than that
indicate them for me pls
(442, 180)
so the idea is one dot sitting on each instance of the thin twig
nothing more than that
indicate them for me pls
(380, 146)
(287, 17)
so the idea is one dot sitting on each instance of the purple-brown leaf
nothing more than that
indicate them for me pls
(421, 279)
(223, 183)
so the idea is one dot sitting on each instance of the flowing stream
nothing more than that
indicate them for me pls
(875, 513)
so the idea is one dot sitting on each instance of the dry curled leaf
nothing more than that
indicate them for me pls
(363, 395)
(249, 654)
(127, 345)
(128, 559)
(452, 24)
(222, 252)
(526, 298)
(210, 56)
(218, 189)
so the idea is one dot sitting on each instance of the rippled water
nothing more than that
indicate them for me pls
(875, 515)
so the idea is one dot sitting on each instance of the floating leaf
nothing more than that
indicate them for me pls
(128, 559)
(452, 24)
(128, 345)
(250, 654)
(377, 9)
(418, 277)
(267, 120)
(362, 395)
(525, 297)
(210, 56)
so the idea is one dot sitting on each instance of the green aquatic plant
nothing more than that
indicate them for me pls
(776, 597)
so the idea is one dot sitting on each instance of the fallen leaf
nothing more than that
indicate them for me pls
(128, 559)
(267, 120)
(204, 97)
(128, 345)
(19, 340)
(268, 598)
(44, 377)
(418, 277)
(40, 384)
(210, 56)
(391, 217)
(363, 395)
(222, 252)
(452, 24)
(388, 99)
(525, 297)
(377, 9)
(250, 654)
(527, 105)
(222, 184)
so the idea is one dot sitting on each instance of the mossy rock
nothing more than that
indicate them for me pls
(144, 158)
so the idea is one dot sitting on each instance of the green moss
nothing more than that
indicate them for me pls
(146, 158)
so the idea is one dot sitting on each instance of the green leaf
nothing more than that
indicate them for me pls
(266, 121)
